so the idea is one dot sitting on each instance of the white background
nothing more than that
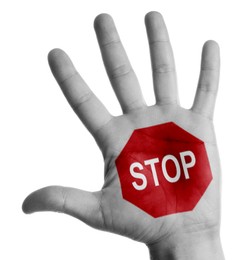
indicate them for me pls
(42, 142)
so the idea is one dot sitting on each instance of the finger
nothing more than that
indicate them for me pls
(162, 60)
(83, 101)
(118, 67)
(77, 203)
(205, 97)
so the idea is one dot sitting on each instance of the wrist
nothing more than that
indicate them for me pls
(203, 245)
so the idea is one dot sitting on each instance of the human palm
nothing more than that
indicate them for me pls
(106, 209)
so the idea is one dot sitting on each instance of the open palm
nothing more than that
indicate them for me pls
(106, 209)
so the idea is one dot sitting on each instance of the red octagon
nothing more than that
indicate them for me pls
(163, 170)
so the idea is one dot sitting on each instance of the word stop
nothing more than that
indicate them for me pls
(163, 170)
(152, 162)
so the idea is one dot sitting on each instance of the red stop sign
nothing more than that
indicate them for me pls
(163, 170)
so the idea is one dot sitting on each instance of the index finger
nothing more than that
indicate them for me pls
(83, 101)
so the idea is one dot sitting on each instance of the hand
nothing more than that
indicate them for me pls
(106, 209)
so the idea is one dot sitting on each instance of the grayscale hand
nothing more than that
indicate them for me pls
(178, 236)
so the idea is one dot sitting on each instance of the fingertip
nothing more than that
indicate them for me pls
(25, 206)
(210, 55)
(56, 54)
(105, 29)
(45, 199)
(30, 202)
(211, 44)
(152, 15)
(155, 26)
(211, 48)
(102, 19)
(60, 64)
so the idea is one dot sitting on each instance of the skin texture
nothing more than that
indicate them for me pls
(106, 209)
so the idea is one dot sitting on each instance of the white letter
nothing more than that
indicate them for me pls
(187, 165)
(152, 162)
(138, 176)
(173, 158)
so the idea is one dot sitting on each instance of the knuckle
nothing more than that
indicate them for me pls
(68, 78)
(64, 195)
(81, 100)
(111, 42)
(119, 71)
(163, 68)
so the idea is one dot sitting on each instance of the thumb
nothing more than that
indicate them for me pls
(77, 203)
